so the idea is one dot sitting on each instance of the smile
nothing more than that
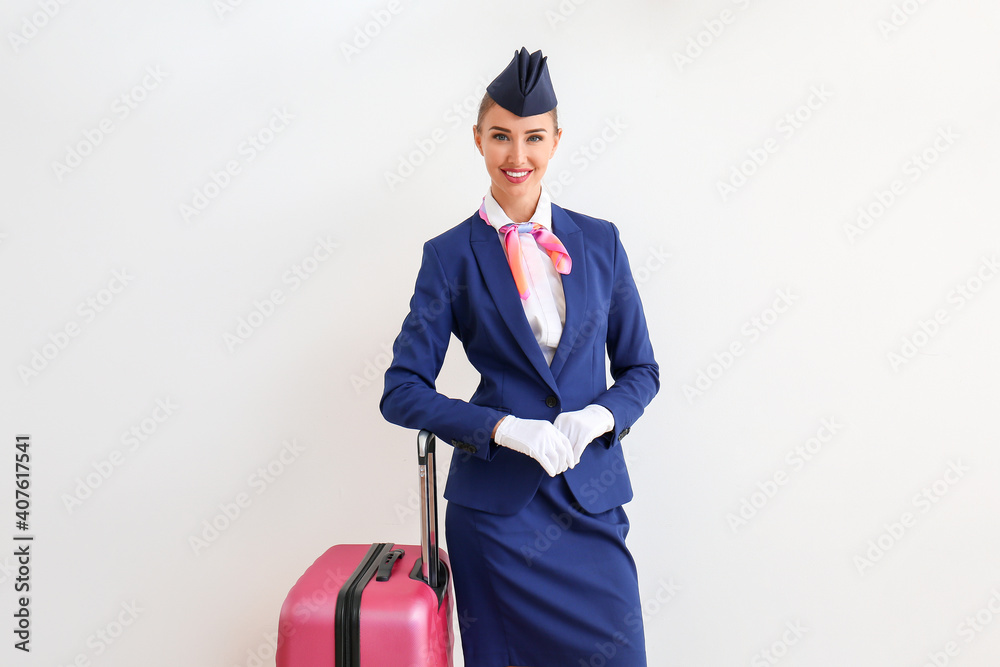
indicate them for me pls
(517, 176)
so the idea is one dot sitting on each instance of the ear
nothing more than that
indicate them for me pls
(555, 141)
(478, 139)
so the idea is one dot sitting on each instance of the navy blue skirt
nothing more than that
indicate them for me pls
(550, 586)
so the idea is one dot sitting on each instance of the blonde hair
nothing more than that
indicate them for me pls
(488, 103)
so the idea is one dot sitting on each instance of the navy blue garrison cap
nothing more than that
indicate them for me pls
(524, 88)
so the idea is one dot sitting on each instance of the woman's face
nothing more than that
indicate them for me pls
(517, 150)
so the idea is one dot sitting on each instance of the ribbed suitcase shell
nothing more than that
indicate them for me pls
(402, 624)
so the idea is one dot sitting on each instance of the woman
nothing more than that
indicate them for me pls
(534, 525)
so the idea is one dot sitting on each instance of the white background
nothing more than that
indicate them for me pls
(894, 78)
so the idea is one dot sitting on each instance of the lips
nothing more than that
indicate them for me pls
(519, 176)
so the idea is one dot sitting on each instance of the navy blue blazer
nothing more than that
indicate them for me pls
(465, 287)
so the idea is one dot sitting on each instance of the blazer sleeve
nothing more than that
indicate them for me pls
(634, 370)
(409, 398)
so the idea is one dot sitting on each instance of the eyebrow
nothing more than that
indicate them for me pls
(504, 129)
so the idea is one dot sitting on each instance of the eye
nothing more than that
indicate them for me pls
(500, 136)
(536, 138)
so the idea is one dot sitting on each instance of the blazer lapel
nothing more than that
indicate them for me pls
(496, 274)
(574, 285)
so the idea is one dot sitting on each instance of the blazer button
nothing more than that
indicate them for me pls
(552, 401)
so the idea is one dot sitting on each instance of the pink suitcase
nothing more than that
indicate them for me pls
(380, 605)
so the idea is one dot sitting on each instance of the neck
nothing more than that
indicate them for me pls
(520, 209)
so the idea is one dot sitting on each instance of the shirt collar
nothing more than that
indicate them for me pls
(542, 214)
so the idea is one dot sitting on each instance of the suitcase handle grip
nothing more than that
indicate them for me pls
(385, 569)
(426, 443)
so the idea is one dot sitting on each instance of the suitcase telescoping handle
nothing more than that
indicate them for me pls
(428, 508)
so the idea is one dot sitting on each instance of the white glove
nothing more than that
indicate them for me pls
(583, 426)
(538, 439)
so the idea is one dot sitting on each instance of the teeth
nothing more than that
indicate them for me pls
(516, 174)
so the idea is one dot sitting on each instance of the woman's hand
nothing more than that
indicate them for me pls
(538, 439)
(582, 426)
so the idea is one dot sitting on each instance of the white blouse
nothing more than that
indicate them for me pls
(545, 306)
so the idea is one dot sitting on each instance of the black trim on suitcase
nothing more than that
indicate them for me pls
(417, 574)
(347, 631)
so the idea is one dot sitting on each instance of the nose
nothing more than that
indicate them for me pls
(517, 153)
